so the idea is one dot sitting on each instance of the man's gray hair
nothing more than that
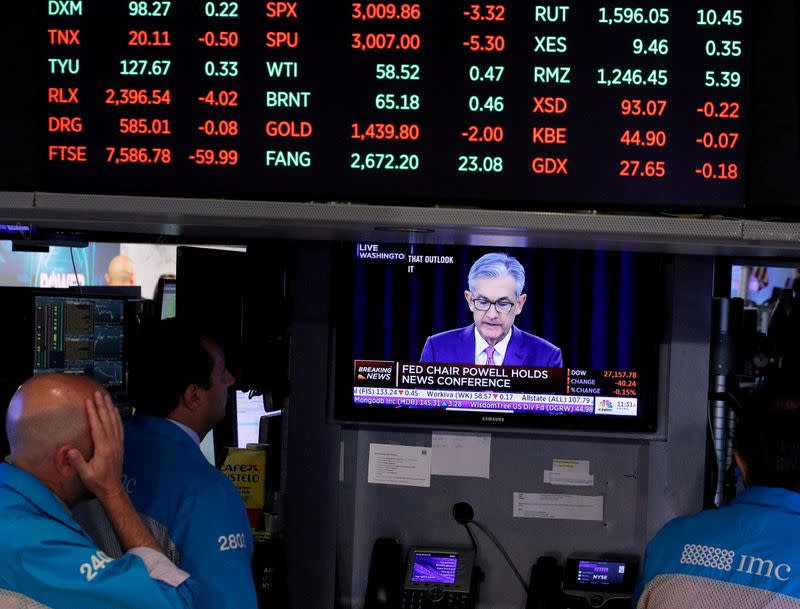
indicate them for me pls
(494, 265)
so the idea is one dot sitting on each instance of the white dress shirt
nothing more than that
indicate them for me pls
(189, 431)
(499, 349)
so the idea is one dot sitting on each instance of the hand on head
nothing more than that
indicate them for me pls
(102, 473)
(64, 430)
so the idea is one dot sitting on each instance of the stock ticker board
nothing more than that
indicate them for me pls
(410, 101)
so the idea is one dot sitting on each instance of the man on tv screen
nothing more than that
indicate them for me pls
(495, 297)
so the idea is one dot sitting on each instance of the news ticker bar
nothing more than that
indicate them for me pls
(483, 401)
(502, 379)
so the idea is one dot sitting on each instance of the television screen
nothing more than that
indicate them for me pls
(760, 285)
(497, 336)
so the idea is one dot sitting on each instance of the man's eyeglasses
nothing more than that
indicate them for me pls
(501, 306)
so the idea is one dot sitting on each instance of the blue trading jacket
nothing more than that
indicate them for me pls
(46, 556)
(170, 481)
(745, 555)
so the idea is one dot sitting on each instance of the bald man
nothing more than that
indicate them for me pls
(66, 442)
(121, 271)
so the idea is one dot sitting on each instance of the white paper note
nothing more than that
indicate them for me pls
(568, 478)
(550, 505)
(571, 465)
(400, 465)
(569, 472)
(461, 454)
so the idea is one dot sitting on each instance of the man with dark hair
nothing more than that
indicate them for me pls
(66, 441)
(745, 554)
(179, 388)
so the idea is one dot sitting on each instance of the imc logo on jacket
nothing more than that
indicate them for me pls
(722, 559)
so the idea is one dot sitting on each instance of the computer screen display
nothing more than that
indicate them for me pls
(601, 572)
(435, 567)
(498, 336)
(760, 285)
(168, 300)
(249, 411)
(80, 335)
(611, 575)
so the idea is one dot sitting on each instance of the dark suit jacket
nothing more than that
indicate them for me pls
(458, 347)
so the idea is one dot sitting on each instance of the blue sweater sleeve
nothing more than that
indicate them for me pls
(68, 571)
(218, 547)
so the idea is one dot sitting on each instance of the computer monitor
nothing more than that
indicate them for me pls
(759, 283)
(56, 330)
(249, 411)
(166, 297)
(241, 299)
(129, 292)
(79, 335)
(763, 327)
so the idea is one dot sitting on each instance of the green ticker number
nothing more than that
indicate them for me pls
(149, 9)
(480, 164)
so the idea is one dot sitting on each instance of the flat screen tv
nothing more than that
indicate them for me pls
(493, 336)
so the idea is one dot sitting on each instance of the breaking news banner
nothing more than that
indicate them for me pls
(495, 388)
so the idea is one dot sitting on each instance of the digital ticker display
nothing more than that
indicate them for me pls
(628, 103)
(496, 389)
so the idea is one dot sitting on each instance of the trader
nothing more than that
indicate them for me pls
(495, 298)
(179, 387)
(66, 445)
(747, 553)
(121, 271)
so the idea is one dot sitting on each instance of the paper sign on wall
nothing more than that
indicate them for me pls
(399, 465)
(461, 454)
(551, 505)
(569, 472)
